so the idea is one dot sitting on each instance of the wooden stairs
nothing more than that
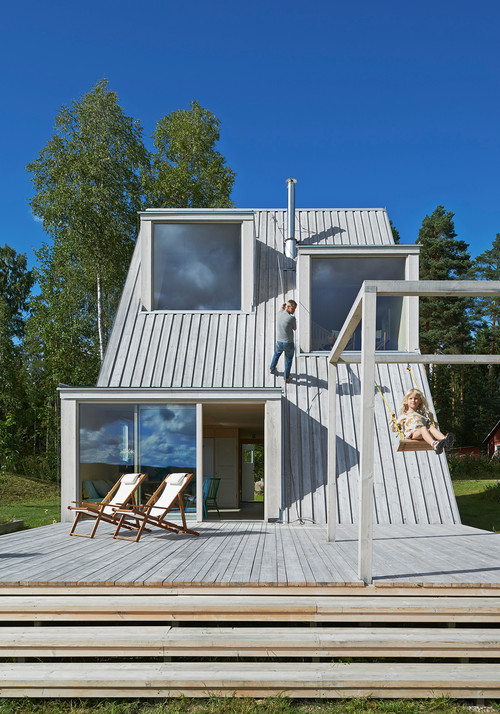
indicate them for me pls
(145, 642)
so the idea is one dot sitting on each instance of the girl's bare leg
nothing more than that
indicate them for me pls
(427, 434)
(436, 433)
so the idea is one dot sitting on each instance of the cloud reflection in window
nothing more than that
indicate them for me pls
(197, 266)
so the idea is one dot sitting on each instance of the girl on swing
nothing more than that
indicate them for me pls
(416, 422)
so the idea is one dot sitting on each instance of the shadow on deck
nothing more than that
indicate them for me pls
(253, 554)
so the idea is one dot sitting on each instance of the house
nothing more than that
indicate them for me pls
(492, 441)
(185, 380)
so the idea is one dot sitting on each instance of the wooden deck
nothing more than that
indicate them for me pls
(250, 555)
(250, 609)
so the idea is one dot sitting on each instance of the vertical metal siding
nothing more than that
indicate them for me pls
(221, 350)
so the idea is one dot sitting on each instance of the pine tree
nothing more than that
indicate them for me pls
(445, 325)
(484, 396)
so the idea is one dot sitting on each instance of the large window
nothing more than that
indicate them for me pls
(156, 439)
(335, 282)
(197, 266)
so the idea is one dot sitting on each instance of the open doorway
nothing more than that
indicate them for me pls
(233, 456)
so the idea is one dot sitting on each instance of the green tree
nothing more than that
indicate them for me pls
(16, 282)
(187, 170)
(395, 233)
(445, 325)
(88, 188)
(443, 321)
(486, 266)
(483, 385)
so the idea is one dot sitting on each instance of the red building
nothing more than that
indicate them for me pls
(492, 441)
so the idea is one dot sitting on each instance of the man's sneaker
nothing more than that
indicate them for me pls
(449, 440)
(438, 448)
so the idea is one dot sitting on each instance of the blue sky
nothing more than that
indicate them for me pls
(367, 104)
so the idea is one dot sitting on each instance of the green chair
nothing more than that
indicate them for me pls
(210, 488)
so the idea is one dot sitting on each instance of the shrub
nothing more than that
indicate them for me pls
(473, 467)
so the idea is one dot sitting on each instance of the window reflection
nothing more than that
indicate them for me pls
(148, 438)
(197, 266)
(335, 282)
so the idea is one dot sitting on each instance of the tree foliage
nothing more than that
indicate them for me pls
(467, 398)
(16, 282)
(89, 180)
(88, 188)
(486, 266)
(444, 324)
(395, 233)
(187, 170)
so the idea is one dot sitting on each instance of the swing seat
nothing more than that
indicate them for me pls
(414, 445)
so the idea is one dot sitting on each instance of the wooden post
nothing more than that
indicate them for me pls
(365, 545)
(70, 478)
(199, 462)
(331, 485)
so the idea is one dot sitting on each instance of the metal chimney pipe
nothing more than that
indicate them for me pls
(290, 242)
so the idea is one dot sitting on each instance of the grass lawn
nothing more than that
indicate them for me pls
(37, 503)
(479, 503)
(229, 705)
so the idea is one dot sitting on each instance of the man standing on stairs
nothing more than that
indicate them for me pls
(285, 326)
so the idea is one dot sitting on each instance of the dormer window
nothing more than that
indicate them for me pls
(329, 279)
(197, 266)
(335, 282)
(197, 260)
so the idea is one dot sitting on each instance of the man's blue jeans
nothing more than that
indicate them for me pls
(288, 349)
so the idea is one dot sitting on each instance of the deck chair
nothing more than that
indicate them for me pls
(169, 495)
(122, 494)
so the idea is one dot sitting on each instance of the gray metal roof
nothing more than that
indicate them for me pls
(221, 350)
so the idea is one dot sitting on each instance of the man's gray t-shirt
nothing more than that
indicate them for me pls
(285, 325)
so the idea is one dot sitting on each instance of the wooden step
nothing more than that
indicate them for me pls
(262, 608)
(253, 679)
(162, 641)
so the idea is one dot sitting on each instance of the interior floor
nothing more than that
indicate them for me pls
(246, 512)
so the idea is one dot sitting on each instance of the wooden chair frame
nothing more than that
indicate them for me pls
(106, 510)
(141, 516)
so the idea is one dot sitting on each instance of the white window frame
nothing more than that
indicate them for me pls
(270, 398)
(199, 216)
(410, 304)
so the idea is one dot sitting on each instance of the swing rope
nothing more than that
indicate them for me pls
(390, 412)
(413, 378)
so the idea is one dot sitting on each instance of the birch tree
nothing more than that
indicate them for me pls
(187, 169)
(88, 188)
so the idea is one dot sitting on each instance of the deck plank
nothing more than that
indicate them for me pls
(325, 680)
(252, 553)
(165, 640)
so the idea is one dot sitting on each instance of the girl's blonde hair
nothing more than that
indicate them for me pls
(424, 408)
